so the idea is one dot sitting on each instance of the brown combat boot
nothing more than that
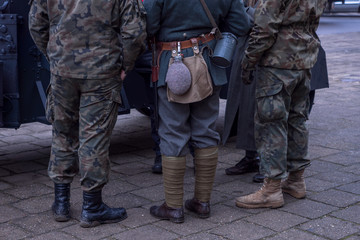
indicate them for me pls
(164, 212)
(269, 196)
(201, 209)
(295, 184)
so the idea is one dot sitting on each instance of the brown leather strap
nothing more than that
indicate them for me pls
(185, 44)
(216, 29)
(208, 13)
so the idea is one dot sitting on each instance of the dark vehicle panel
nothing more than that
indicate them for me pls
(24, 72)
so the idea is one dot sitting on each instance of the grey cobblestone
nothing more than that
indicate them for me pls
(349, 214)
(295, 234)
(242, 230)
(352, 188)
(336, 198)
(276, 220)
(11, 232)
(331, 227)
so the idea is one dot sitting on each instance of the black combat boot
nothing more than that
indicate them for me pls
(61, 205)
(95, 212)
(246, 165)
(157, 167)
(258, 178)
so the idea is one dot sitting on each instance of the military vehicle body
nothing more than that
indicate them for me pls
(25, 76)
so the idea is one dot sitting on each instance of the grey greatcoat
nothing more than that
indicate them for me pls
(240, 106)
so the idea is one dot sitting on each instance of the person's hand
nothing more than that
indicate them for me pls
(122, 75)
(247, 76)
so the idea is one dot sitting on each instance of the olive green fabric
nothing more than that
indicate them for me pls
(173, 176)
(205, 167)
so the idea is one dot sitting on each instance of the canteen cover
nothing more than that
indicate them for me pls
(178, 77)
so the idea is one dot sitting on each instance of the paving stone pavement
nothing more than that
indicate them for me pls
(330, 211)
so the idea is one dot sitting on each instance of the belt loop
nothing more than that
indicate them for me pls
(195, 45)
(173, 49)
(203, 38)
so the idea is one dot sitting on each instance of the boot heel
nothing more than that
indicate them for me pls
(276, 205)
(177, 220)
(86, 224)
(298, 195)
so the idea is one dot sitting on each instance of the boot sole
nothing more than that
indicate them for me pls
(294, 194)
(199, 215)
(174, 220)
(268, 205)
(86, 224)
(239, 173)
(202, 216)
(61, 218)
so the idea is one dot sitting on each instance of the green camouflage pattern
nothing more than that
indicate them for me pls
(282, 106)
(88, 39)
(82, 126)
(284, 34)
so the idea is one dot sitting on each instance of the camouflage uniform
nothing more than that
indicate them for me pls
(88, 44)
(284, 44)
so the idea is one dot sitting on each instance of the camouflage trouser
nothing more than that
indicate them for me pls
(282, 105)
(83, 114)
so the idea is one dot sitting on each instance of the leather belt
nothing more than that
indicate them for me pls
(187, 43)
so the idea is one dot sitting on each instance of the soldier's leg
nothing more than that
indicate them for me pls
(174, 132)
(62, 111)
(298, 135)
(272, 109)
(205, 140)
(63, 165)
(298, 138)
(99, 104)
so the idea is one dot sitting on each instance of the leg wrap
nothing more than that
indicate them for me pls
(205, 164)
(173, 176)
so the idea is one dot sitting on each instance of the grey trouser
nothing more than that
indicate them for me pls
(282, 106)
(181, 123)
(83, 114)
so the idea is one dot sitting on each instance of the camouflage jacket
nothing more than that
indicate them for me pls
(284, 34)
(88, 39)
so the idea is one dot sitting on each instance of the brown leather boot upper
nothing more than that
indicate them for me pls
(269, 196)
(295, 184)
(165, 212)
(202, 209)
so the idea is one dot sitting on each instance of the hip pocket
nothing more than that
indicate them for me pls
(269, 103)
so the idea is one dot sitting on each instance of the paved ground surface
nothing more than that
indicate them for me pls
(330, 211)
